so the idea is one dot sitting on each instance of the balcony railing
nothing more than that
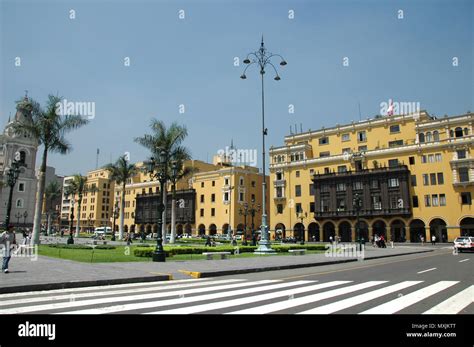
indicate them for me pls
(363, 213)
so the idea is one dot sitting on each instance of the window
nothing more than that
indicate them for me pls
(438, 157)
(241, 196)
(326, 170)
(341, 204)
(346, 137)
(415, 201)
(394, 202)
(297, 173)
(202, 184)
(202, 198)
(427, 201)
(311, 207)
(325, 188)
(430, 158)
(241, 181)
(19, 203)
(298, 208)
(226, 181)
(324, 154)
(413, 180)
(311, 189)
(311, 171)
(226, 196)
(346, 151)
(358, 185)
(279, 192)
(213, 212)
(393, 182)
(411, 160)
(201, 212)
(466, 131)
(341, 187)
(393, 163)
(279, 176)
(428, 137)
(341, 169)
(376, 202)
(298, 190)
(463, 174)
(394, 128)
(362, 148)
(22, 157)
(421, 137)
(279, 209)
(374, 184)
(361, 136)
(442, 200)
(466, 198)
(440, 178)
(21, 187)
(253, 183)
(426, 181)
(396, 143)
(213, 183)
(434, 200)
(325, 204)
(423, 159)
(213, 197)
(461, 153)
(436, 136)
(433, 179)
(253, 197)
(324, 140)
(458, 132)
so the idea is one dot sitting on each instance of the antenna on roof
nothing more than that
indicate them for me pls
(301, 127)
(296, 128)
(291, 130)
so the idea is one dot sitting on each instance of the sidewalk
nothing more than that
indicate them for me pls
(50, 273)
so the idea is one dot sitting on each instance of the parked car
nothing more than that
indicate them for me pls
(102, 230)
(464, 243)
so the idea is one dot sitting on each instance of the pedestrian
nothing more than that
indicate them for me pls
(234, 241)
(382, 242)
(208, 241)
(422, 240)
(8, 241)
(433, 240)
(330, 239)
(254, 240)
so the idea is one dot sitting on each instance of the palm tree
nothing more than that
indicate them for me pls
(121, 172)
(78, 186)
(49, 128)
(168, 140)
(52, 192)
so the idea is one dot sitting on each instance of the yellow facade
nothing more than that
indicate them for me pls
(436, 152)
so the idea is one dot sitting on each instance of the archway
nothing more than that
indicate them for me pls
(188, 229)
(125, 228)
(379, 228)
(179, 229)
(467, 226)
(148, 228)
(417, 230)
(240, 228)
(438, 229)
(345, 232)
(397, 231)
(155, 228)
(313, 232)
(280, 231)
(132, 228)
(363, 230)
(212, 229)
(329, 230)
(225, 228)
(201, 229)
(298, 231)
(142, 228)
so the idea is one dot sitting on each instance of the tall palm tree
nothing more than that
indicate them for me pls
(168, 140)
(49, 128)
(120, 172)
(77, 187)
(52, 192)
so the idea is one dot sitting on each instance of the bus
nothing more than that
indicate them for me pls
(102, 230)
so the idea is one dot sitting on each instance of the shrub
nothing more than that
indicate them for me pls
(79, 246)
(141, 251)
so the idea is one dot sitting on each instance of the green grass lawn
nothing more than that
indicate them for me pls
(125, 254)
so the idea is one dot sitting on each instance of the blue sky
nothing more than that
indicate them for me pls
(191, 61)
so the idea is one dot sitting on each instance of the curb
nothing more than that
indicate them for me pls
(77, 284)
(197, 274)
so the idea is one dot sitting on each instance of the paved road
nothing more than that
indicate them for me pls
(436, 282)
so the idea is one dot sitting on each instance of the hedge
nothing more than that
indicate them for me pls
(80, 246)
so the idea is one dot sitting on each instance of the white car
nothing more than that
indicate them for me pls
(464, 243)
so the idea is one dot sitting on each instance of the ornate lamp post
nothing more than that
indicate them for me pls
(25, 215)
(18, 215)
(161, 175)
(302, 215)
(253, 210)
(70, 240)
(244, 212)
(263, 58)
(115, 215)
(357, 206)
(12, 176)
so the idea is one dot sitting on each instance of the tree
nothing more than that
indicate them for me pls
(49, 128)
(120, 172)
(52, 192)
(168, 140)
(77, 187)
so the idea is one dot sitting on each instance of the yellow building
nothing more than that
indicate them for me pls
(413, 174)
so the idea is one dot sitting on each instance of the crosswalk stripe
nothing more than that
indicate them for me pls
(74, 296)
(455, 303)
(109, 286)
(410, 299)
(106, 300)
(307, 299)
(212, 296)
(356, 300)
(251, 299)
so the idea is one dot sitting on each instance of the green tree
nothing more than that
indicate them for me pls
(77, 187)
(49, 128)
(52, 192)
(120, 172)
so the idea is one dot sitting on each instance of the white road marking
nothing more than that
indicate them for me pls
(247, 300)
(278, 306)
(462, 261)
(410, 299)
(131, 290)
(356, 300)
(185, 300)
(455, 303)
(420, 272)
(107, 300)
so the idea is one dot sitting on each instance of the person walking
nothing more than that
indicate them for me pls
(433, 240)
(208, 241)
(422, 240)
(8, 241)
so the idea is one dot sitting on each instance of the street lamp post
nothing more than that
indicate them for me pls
(18, 215)
(253, 210)
(358, 205)
(245, 212)
(12, 176)
(115, 216)
(302, 215)
(263, 58)
(159, 254)
(70, 240)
